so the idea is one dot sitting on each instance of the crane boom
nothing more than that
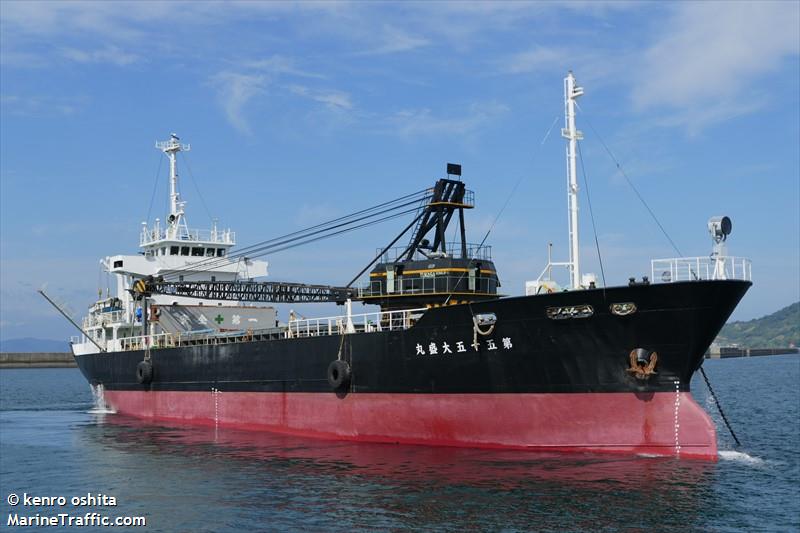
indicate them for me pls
(252, 291)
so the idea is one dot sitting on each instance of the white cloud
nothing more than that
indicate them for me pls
(393, 40)
(278, 64)
(412, 122)
(235, 90)
(332, 99)
(534, 60)
(15, 104)
(109, 54)
(709, 55)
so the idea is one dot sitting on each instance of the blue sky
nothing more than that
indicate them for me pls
(301, 112)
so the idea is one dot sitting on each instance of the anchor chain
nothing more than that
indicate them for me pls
(719, 407)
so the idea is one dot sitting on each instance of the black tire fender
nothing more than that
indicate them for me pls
(338, 374)
(144, 372)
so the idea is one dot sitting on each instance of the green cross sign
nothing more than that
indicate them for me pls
(219, 319)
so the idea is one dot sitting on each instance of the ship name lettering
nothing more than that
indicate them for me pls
(420, 349)
(433, 349)
(446, 348)
(460, 347)
(491, 345)
(507, 343)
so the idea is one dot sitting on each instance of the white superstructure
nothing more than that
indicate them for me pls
(171, 250)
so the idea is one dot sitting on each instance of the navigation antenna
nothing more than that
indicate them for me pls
(571, 93)
(176, 205)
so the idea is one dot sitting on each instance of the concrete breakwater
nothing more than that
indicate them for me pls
(722, 352)
(37, 360)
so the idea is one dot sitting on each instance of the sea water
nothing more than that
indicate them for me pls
(57, 440)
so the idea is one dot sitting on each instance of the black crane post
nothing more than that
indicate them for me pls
(463, 233)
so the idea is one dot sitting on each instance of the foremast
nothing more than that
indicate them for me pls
(571, 133)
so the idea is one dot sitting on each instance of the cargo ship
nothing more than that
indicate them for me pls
(446, 359)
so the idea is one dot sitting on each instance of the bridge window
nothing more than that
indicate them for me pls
(184, 250)
(198, 252)
(209, 252)
(118, 264)
(164, 250)
(220, 252)
(173, 250)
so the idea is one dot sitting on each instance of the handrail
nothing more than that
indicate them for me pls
(474, 251)
(150, 235)
(306, 327)
(700, 268)
(109, 317)
(434, 284)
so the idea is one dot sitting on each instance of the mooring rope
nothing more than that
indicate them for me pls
(719, 407)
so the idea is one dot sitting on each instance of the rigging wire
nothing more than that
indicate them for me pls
(267, 245)
(591, 214)
(630, 183)
(514, 189)
(297, 238)
(503, 208)
(254, 248)
(293, 243)
(155, 186)
(185, 159)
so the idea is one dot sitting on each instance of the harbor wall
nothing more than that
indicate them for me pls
(724, 352)
(37, 360)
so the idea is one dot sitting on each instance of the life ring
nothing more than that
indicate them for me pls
(144, 372)
(338, 374)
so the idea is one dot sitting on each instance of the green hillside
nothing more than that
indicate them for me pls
(781, 329)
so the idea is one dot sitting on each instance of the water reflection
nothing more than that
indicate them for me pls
(254, 476)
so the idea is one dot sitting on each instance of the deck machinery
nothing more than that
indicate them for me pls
(430, 271)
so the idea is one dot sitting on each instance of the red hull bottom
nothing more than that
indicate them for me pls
(665, 424)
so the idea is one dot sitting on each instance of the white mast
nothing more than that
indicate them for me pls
(571, 93)
(171, 148)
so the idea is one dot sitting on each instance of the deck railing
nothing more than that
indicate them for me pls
(361, 323)
(408, 285)
(305, 327)
(700, 268)
(155, 234)
(474, 251)
(98, 319)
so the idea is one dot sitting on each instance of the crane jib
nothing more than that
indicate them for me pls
(254, 291)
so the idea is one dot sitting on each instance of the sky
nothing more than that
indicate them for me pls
(301, 112)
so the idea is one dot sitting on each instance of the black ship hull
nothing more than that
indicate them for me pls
(566, 371)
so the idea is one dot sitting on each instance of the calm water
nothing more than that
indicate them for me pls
(189, 479)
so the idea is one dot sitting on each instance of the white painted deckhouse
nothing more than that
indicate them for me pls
(170, 249)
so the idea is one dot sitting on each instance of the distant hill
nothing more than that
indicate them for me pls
(29, 344)
(781, 329)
